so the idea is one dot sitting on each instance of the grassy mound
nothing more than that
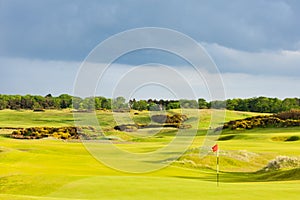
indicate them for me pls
(282, 162)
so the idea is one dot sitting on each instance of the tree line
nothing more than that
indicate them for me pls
(37, 102)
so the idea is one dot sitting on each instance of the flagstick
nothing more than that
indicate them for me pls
(215, 148)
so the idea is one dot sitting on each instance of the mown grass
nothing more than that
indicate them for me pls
(37, 169)
(50, 169)
(28, 118)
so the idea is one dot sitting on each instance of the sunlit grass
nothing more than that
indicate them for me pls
(50, 169)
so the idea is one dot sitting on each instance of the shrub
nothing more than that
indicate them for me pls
(41, 132)
(292, 138)
(177, 118)
(292, 114)
(262, 122)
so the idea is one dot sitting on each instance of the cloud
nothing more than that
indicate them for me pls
(255, 44)
(267, 63)
(141, 81)
(69, 30)
(247, 86)
(26, 76)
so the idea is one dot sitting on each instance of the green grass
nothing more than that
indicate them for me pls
(28, 118)
(51, 169)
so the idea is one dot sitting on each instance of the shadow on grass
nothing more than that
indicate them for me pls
(260, 176)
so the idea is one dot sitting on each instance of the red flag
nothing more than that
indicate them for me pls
(215, 148)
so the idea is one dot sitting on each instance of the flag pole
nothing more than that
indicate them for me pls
(215, 148)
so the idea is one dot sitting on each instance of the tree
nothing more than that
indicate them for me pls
(76, 102)
(202, 104)
(242, 105)
(14, 102)
(39, 102)
(153, 107)
(56, 103)
(65, 101)
(185, 103)
(276, 105)
(27, 102)
(3, 102)
(119, 103)
(140, 105)
(131, 102)
(98, 102)
(89, 103)
(106, 103)
(290, 103)
(173, 105)
(231, 104)
(217, 104)
(49, 102)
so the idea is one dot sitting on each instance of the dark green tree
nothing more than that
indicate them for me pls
(140, 105)
(202, 103)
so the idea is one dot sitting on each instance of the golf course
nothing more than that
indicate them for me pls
(149, 100)
(58, 169)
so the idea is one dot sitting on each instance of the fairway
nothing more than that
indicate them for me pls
(49, 169)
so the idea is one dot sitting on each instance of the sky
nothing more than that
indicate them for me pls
(255, 45)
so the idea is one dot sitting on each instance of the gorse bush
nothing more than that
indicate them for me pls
(42, 132)
(284, 119)
(177, 118)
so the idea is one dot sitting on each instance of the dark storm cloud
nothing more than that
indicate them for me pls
(255, 44)
(68, 30)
